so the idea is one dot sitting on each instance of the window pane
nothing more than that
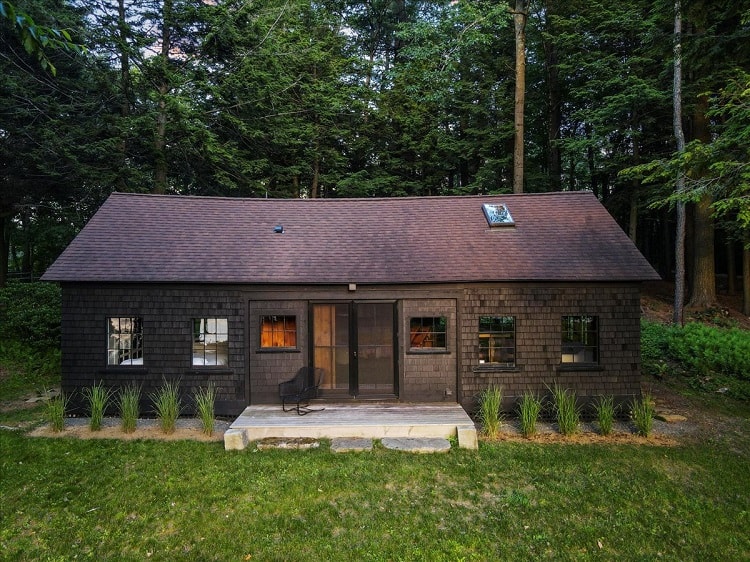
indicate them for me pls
(426, 333)
(278, 331)
(210, 341)
(124, 341)
(580, 339)
(497, 340)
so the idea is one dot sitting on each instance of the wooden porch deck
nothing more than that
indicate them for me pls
(375, 421)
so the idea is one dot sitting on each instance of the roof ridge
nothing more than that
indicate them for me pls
(350, 199)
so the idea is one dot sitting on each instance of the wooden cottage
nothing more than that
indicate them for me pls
(427, 299)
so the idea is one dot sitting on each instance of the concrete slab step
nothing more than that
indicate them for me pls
(417, 444)
(350, 445)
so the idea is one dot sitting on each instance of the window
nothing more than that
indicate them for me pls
(580, 339)
(427, 333)
(497, 340)
(210, 341)
(497, 214)
(278, 331)
(124, 341)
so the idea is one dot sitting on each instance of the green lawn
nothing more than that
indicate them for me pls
(65, 498)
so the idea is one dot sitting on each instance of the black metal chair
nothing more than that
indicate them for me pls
(301, 389)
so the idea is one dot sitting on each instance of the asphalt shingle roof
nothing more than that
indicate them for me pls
(151, 238)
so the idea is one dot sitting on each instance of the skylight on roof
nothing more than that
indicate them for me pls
(497, 214)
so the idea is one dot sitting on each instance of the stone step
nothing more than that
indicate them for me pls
(417, 444)
(350, 445)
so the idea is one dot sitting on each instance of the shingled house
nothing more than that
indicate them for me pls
(411, 299)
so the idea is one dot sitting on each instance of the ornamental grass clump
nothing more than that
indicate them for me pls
(98, 399)
(204, 405)
(55, 410)
(605, 410)
(566, 409)
(128, 403)
(490, 401)
(642, 413)
(167, 405)
(528, 411)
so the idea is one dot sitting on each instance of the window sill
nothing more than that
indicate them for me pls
(204, 370)
(278, 350)
(124, 369)
(490, 368)
(567, 367)
(427, 351)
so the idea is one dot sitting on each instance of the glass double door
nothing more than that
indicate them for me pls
(354, 343)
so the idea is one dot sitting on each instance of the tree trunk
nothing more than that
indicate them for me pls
(592, 164)
(634, 189)
(314, 187)
(554, 102)
(519, 22)
(633, 226)
(703, 294)
(160, 136)
(731, 269)
(679, 276)
(125, 91)
(160, 143)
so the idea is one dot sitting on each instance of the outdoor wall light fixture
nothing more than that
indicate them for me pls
(278, 229)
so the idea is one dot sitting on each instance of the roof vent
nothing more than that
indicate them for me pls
(497, 214)
(278, 229)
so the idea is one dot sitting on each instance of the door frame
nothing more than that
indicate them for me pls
(353, 391)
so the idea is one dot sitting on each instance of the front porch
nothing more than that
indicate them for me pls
(373, 421)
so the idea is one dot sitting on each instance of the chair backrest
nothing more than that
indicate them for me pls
(318, 376)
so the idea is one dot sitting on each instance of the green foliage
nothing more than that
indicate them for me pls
(642, 413)
(38, 39)
(490, 402)
(128, 403)
(97, 398)
(204, 404)
(55, 410)
(167, 405)
(27, 369)
(566, 408)
(605, 410)
(30, 313)
(528, 412)
(712, 358)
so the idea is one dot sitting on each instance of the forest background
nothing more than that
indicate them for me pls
(335, 98)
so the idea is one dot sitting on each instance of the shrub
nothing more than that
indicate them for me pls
(55, 409)
(707, 350)
(167, 405)
(490, 401)
(566, 409)
(30, 313)
(27, 368)
(129, 405)
(605, 410)
(529, 410)
(642, 413)
(98, 399)
(204, 404)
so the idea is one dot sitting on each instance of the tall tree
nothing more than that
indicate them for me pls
(679, 285)
(520, 16)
